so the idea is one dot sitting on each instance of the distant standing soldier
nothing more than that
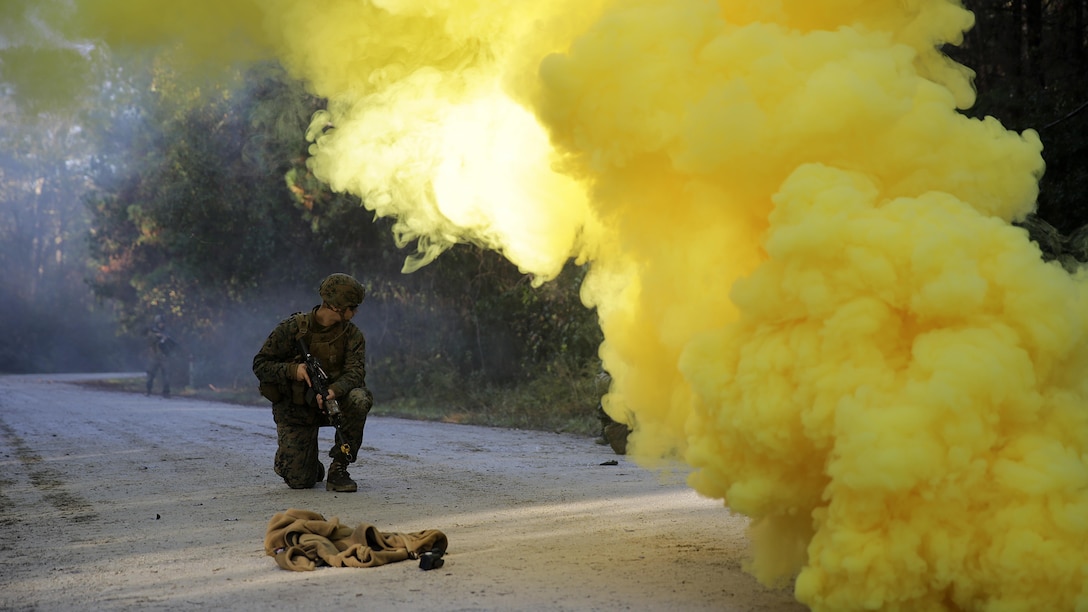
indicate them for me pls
(340, 347)
(160, 345)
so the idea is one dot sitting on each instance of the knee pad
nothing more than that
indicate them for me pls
(362, 398)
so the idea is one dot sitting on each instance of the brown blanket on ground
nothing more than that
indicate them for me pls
(300, 540)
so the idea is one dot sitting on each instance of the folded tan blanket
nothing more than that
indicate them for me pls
(300, 540)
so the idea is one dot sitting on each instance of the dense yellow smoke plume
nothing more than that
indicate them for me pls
(800, 253)
(425, 131)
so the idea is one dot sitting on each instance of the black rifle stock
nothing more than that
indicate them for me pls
(319, 380)
(167, 345)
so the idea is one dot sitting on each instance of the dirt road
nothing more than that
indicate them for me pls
(114, 501)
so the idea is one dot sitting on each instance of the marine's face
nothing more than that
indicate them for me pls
(347, 312)
(351, 310)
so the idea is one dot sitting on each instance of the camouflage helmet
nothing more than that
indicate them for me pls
(341, 291)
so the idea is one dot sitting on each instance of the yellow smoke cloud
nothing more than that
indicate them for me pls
(830, 316)
(423, 128)
(799, 251)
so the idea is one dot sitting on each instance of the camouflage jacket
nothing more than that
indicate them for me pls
(341, 349)
(159, 343)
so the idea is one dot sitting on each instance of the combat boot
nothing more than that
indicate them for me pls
(339, 480)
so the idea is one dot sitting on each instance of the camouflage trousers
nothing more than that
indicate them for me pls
(158, 367)
(297, 427)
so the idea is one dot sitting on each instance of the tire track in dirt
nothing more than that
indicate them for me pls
(46, 480)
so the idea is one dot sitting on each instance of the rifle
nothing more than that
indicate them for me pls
(319, 380)
(166, 344)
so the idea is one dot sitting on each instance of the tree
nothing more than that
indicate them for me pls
(1029, 58)
(200, 225)
(214, 220)
(51, 320)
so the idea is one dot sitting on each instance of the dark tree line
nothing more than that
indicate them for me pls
(50, 320)
(215, 223)
(1031, 63)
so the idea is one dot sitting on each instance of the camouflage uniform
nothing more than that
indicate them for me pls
(341, 349)
(159, 345)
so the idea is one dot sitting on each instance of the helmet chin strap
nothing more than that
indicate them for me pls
(339, 312)
(323, 316)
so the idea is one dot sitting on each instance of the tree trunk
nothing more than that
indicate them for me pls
(1033, 42)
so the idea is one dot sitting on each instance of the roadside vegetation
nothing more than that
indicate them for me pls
(560, 401)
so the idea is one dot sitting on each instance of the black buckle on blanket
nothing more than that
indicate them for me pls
(431, 559)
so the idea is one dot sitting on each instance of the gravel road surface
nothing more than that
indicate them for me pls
(119, 501)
